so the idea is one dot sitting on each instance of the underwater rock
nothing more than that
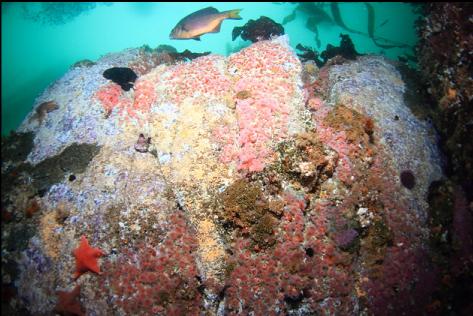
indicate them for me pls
(165, 49)
(408, 138)
(346, 238)
(68, 302)
(445, 65)
(40, 177)
(73, 159)
(252, 186)
(83, 63)
(149, 59)
(164, 54)
(124, 77)
(256, 30)
(15, 149)
(17, 146)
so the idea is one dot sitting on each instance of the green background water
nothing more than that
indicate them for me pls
(35, 53)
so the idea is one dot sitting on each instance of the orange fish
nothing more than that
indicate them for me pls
(204, 21)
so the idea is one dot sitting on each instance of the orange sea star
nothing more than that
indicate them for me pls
(86, 258)
(68, 303)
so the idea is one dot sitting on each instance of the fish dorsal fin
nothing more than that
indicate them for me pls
(208, 10)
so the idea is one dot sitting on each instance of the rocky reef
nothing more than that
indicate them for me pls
(252, 184)
(445, 65)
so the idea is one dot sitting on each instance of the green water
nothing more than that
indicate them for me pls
(36, 52)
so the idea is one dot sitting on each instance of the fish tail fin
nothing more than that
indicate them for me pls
(233, 14)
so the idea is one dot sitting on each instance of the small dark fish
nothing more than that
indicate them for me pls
(371, 19)
(43, 109)
(125, 77)
(204, 21)
(187, 55)
(142, 144)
